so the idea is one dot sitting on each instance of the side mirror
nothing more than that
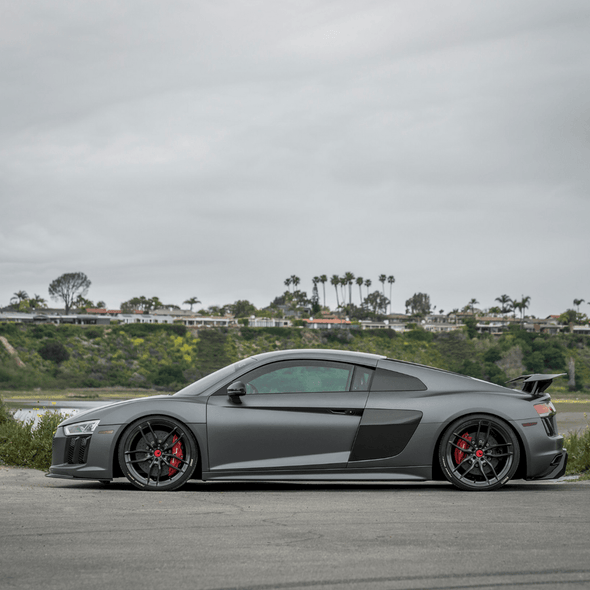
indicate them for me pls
(235, 391)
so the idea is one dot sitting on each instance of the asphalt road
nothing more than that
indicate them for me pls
(65, 535)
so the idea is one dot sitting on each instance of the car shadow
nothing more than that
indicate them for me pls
(121, 484)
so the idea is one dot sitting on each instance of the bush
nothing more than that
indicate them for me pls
(25, 445)
(44, 331)
(252, 333)
(383, 334)
(470, 327)
(142, 330)
(8, 329)
(211, 350)
(472, 369)
(420, 334)
(492, 355)
(494, 374)
(93, 333)
(168, 375)
(578, 448)
(535, 362)
(4, 415)
(54, 351)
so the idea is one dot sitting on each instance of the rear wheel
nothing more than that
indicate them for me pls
(158, 454)
(479, 452)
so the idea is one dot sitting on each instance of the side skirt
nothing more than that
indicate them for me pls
(421, 473)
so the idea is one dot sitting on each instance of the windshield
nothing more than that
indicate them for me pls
(203, 384)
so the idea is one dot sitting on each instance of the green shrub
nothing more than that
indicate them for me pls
(54, 351)
(578, 448)
(535, 362)
(168, 375)
(492, 355)
(383, 334)
(494, 374)
(93, 333)
(14, 377)
(4, 415)
(211, 351)
(420, 334)
(470, 327)
(7, 329)
(143, 330)
(252, 333)
(25, 445)
(44, 331)
(472, 369)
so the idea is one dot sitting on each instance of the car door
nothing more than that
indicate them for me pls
(299, 414)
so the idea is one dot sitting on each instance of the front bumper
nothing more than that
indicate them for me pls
(86, 456)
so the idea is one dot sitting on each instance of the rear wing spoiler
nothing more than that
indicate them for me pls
(535, 384)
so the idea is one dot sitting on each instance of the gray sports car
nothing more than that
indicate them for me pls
(320, 415)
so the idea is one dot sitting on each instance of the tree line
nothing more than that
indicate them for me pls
(72, 289)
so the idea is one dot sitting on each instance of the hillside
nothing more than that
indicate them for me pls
(170, 356)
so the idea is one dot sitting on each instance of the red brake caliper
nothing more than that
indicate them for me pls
(464, 444)
(177, 451)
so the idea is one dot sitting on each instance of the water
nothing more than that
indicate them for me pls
(28, 411)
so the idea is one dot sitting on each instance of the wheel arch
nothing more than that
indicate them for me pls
(118, 472)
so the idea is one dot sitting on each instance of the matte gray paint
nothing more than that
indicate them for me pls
(263, 431)
(233, 439)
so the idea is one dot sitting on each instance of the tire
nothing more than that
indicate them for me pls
(479, 453)
(158, 454)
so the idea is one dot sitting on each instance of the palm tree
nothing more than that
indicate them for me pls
(192, 301)
(314, 291)
(287, 283)
(349, 278)
(382, 279)
(516, 305)
(324, 280)
(368, 284)
(343, 284)
(295, 280)
(524, 303)
(359, 282)
(390, 280)
(505, 302)
(38, 301)
(577, 303)
(472, 304)
(335, 281)
(511, 307)
(19, 296)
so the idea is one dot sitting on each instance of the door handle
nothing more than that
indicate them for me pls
(345, 412)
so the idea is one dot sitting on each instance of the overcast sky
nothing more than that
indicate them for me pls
(214, 148)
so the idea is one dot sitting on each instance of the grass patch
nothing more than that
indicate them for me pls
(569, 406)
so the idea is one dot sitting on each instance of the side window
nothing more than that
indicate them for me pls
(393, 381)
(361, 379)
(299, 377)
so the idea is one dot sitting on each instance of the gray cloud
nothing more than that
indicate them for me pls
(215, 149)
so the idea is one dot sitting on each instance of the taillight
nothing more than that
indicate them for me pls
(545, 410)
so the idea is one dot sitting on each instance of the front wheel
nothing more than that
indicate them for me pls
(479, 453)
(158, 454)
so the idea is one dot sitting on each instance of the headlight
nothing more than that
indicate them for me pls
(81, 427)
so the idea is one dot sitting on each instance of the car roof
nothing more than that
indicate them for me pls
(364, 358)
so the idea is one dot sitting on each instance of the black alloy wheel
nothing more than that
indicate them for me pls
(479, 453)
(158, 454)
